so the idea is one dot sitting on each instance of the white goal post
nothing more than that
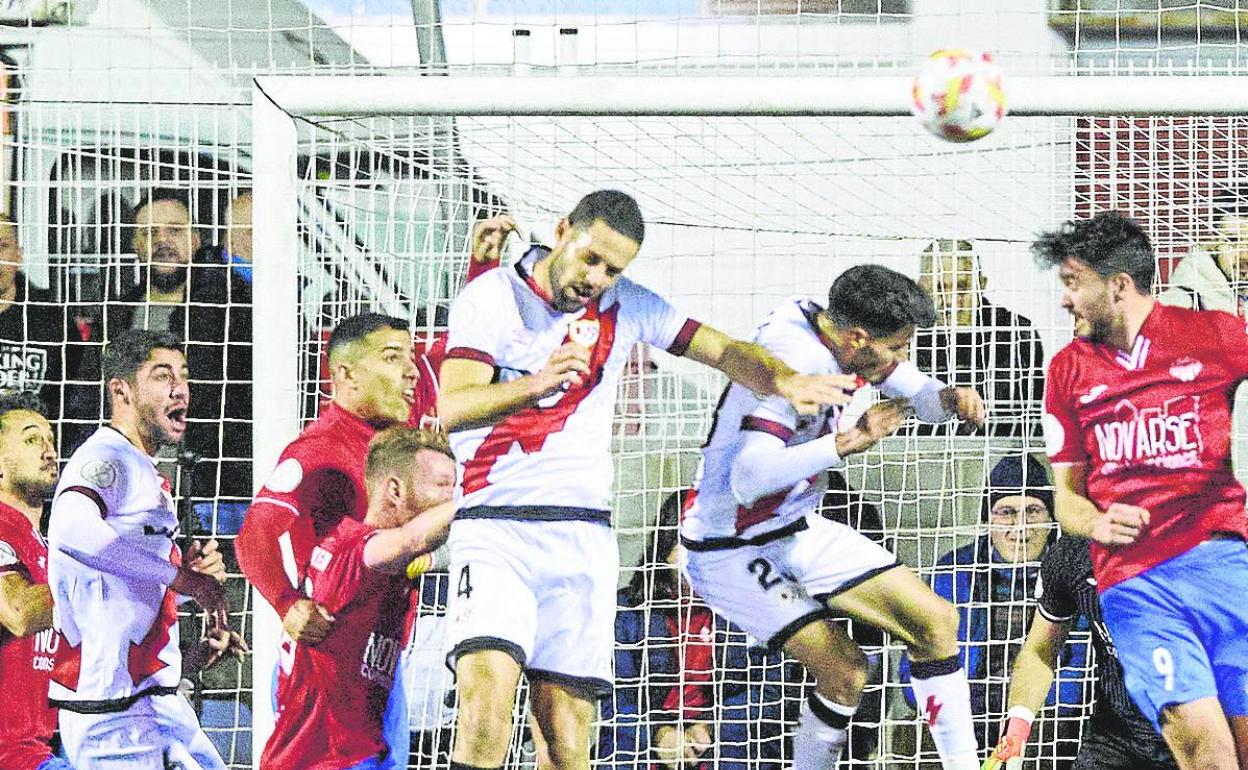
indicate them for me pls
(281, 103)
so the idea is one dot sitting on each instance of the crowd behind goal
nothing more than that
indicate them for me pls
(456, 490)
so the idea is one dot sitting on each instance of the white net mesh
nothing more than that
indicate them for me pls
(106, 99)
(743, 212)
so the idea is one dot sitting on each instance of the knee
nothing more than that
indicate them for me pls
(843, 680)
(936, 634)
(567, 754)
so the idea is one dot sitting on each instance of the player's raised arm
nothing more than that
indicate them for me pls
(754, 367)
(766, 464)
(392, 550)
(470, 397)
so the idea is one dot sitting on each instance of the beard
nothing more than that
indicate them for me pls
(167, 278)
(153, 431)
(34, 489)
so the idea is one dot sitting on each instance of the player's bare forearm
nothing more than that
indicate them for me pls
(392, 550)
(745, 363)
(1031, 676)
(1075, 512)
(475, 406)
(25, 607)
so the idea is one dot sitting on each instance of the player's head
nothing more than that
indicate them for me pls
(10, 253)
(593, 246)
(873, 312)
(1230, 244)
(949, 272)
(165, 238)
(28, 467)
(148, 386)
(1104, 263)
(1018, 506)
(373, 368)
(409, 470)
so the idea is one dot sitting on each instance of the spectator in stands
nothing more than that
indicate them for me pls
(1214, 274)
(688, 687)
(978, 344)
(992, 581)
(193, 294)
(33, 330)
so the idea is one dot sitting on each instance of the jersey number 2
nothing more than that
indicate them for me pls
(762, 569)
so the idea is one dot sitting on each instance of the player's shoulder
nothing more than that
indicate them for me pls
(788, 332)
(341, 546)
(632, 296)
(106, 459)
(14, 530)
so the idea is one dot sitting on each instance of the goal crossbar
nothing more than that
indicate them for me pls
(780, 96)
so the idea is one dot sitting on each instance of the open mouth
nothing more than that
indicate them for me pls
(583, 293)
(177, 417)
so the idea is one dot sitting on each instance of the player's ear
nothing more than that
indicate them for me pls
(394, 490)
(561, 227)
(119, 389)
(857, 337)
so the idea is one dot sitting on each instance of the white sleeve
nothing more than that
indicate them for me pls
(479, 319)
(662, 325)
(764, 465)
(922, 389)
(77, 530)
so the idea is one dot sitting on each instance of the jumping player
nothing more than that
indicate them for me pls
(1138, 427)
(762, 557)
(115, 575)
(330, 706)
(1116, 735)
(534, 358)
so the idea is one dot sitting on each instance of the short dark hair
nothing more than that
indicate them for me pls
(158, 194)
(651, 579)
(1110, 243)
(879, 300)
(20, 401)
(394, 448)
(130, 349)
(359, 326)
(1230, 201)
(614, 209)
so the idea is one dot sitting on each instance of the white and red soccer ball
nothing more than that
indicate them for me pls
(958, 96)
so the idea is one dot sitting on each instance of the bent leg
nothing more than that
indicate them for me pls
(1199, 735)
(563, 717)
(898, 602)
(486, 681)
(840, 671)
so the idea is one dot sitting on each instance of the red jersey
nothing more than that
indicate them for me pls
(1153, 427)
(330, 706)
(318, 482)
(26, 720)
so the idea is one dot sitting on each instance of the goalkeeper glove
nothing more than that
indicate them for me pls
(1008, 755)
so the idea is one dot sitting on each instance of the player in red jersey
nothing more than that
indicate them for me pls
(529, 386)
(1138, 426)
(330, 705)
(28, 644)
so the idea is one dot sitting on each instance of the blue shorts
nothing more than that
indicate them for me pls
(54, 763)
(1181, 629)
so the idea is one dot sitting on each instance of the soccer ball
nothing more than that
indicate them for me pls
(958, 95)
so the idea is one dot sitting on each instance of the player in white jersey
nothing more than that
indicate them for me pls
(534, 357)
(116, 575)
(762, 557)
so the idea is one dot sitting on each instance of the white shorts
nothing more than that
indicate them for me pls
(541, 591)
(773, 590)
(156, 733)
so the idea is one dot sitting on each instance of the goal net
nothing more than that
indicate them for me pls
(372, 207)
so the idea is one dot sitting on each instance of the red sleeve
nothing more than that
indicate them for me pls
(1231, 342)
(259, 551)
(476, 268)
(10, 558)
(304, 498)
(346, 576)
(1063, 438)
